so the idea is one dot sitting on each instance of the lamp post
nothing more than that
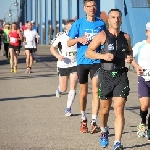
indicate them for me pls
(16, 4)
(10, 14)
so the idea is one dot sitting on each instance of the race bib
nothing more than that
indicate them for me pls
(72, 55)
(13, 40)
(146, 75)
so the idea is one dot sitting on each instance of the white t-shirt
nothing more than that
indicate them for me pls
(69, 53)
(141, 52)
(30, 36)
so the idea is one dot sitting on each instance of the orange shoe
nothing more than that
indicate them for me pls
(94, 128)
(83, 127)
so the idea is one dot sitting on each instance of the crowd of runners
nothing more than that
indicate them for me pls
(87, 47)
(14, 38)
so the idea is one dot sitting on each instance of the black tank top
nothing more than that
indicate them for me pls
(116, 46)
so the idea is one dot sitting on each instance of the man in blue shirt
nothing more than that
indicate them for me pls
(81, 33)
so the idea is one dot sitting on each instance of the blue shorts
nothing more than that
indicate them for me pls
(143, 87)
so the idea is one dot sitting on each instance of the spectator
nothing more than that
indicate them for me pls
(50, 32)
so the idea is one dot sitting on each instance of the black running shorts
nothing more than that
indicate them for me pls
(16, 48)
(84, 70)
(113, 84)
(30, 49)
(67, 71)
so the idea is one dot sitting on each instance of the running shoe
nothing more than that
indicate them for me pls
(104, 141)
(148, 134)
(83, 127)
(12, 70)
(118, 146)
(68, 112)
(94, 128)
(58, 93)
(27, 70)
(15, 69)
(141, 130)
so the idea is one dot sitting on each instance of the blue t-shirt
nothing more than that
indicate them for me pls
(81, 27)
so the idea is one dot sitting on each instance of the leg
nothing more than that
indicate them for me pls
(63, 81)
(144, 94)
(119, 104)
(15, 60)
(16, 57)
(31, 60)
(11, 51)
(105, 105)
(83, 98)
(72, 92)
(27, 52)
(95, 99)
(6, 49)
(82, 72)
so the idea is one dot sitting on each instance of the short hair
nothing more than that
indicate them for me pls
(85, 1)
(27, 21)
(71, 21)
(115, 10)
(14, 23)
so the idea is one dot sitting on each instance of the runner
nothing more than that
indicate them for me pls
(113, 80)
(30, 45)
(67, 66)
(6, 43)
(35, 52)
(14, 36)
(1, 36)
(141, 63)
(81, 33)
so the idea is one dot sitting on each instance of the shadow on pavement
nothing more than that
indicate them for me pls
(28, 76)
(21, 98)
(136, 146)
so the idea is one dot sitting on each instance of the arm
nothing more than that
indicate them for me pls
(20, 35)
(138, 68)
(129, 52)
(98, 40)
(72, 42)
(74, 36)
(53, 49)
(37, 38)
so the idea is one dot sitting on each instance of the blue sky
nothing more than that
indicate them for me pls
(5, 5)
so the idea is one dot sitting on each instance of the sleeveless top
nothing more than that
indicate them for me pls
(13, 36)
(115, 45)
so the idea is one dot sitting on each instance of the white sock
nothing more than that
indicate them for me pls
(59, 90)
(103, 129)
(71, 97)
(94, 117)
(83, 115)
(116, 141)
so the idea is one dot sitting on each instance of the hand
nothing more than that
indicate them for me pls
(129, 59)
(108, 57)
(83, 40)
(139, 70)
(60, 58)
